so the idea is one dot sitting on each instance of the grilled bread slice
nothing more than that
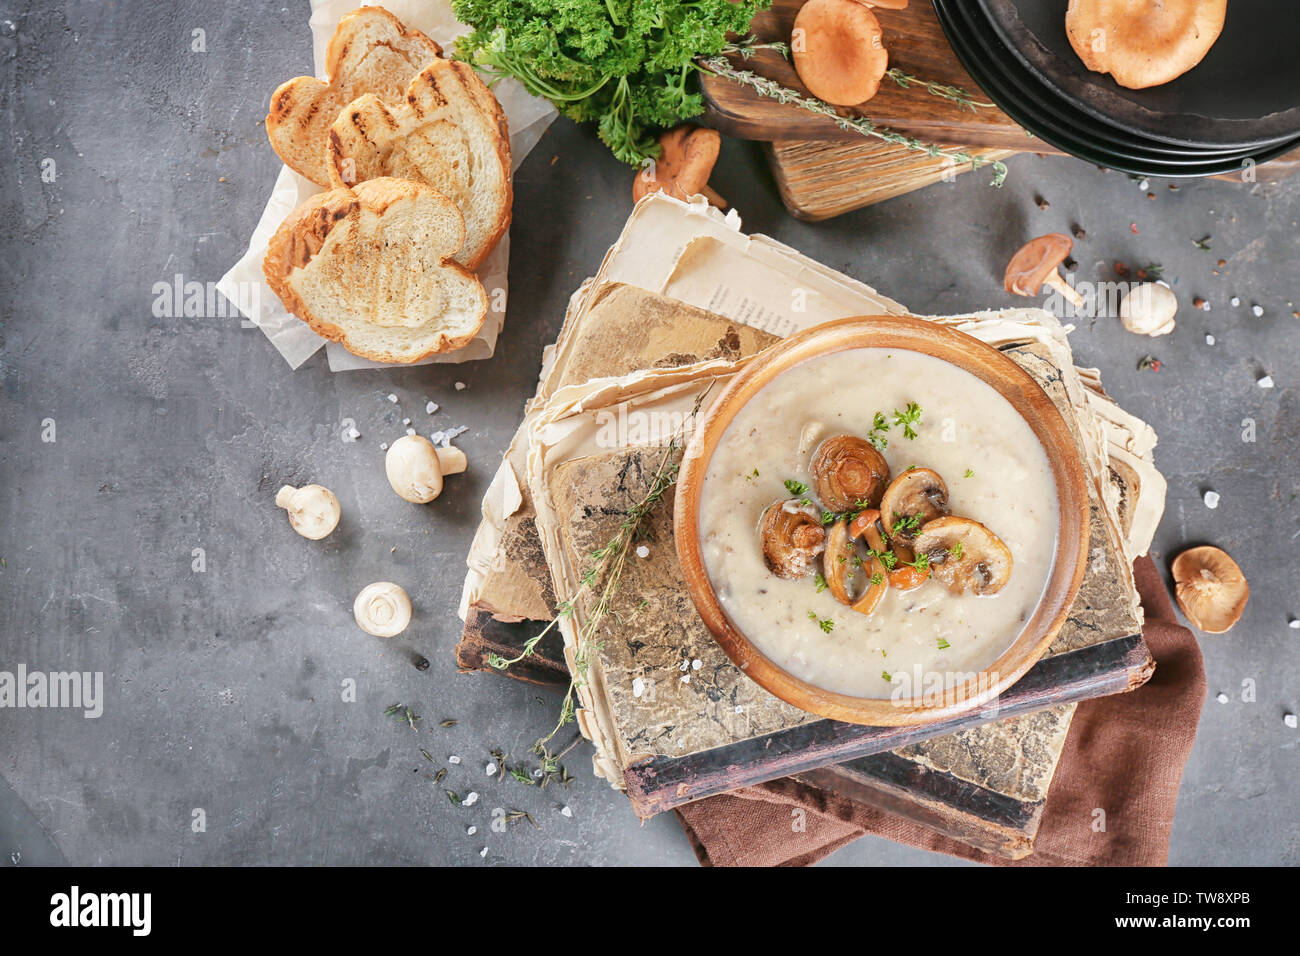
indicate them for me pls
(370, 52)
(371, 267)
(449, 133)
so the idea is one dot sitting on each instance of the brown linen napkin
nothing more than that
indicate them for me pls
(1124, 754)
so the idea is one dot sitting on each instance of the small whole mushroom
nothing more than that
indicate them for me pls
(1210, 588)
(416, 468)
(838, 50)
(313, 509)
(1035, 265)
(848, 472)
(1148, 309)
(687, 155)
(382, 609)
(792, 537)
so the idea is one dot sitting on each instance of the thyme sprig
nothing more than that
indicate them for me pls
(953, 94)
(605, 565)
(720, 66)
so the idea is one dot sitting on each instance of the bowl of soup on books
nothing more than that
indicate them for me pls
(883, 520)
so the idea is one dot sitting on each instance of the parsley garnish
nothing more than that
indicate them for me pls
(825, 623)
(820, 581)
(943, 644)
(908, 418)
(877, 579)
(910, 523)
(886, 675)
(795, 487)
(956, 550)
(969, 473)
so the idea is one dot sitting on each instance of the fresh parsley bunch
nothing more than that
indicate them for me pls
(627, 65)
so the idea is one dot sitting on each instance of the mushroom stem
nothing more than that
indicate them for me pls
(714, 199)
(1057, 282)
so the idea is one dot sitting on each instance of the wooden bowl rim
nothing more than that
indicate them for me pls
(990, 366)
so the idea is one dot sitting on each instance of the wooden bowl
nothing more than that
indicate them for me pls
(1011, 382)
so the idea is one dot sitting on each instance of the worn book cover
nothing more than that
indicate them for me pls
(512, 551)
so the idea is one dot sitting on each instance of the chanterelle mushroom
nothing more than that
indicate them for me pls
(1034, 265)
(687, 155)
(792, 536)
(848, 473)
(915, 497)
(1144, 43)
(964, 555)
(382, 609)
(839, 51)
(313, 509)
(1149, 309)
(1210, 588)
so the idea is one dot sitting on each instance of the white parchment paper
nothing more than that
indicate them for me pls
(245, 286)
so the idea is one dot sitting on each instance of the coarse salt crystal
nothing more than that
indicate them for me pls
(430, 407)
(1209, 339)
(392, 398)
(1205, 306)
(1265, 382)
(1258, 310)
(642, 551)
(490, 769)
(410, 431)
(1212, 500)
(696, 664)
(471, 799)
(638, 687)
(1222, 698)
(1144, 184)
(471, 831)
(453, 759)
(683, 665)
(740, 709)
(483, 853)
(1290, 721)
(1294, 623)
(406, 421)
(686, 678)
(383, 446)
(353, 433)
(1235, 301)
(565, 812)
(460, 386)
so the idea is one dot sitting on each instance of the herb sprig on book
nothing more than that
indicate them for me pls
(604, 570)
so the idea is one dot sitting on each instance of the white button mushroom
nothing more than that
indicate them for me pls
(313, 509)
(413, 469)
(1148, 309)
(416, 468)
(382, 609)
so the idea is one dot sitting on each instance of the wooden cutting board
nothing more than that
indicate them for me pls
(917, 46)
(823, 171)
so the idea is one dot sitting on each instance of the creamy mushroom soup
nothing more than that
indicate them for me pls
(879, 456)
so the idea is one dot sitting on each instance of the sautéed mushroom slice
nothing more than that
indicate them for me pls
(965, 555)
(793, 537)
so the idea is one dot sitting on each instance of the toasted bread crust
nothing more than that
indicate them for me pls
(367, 130)
(304, 233)
(302, 109)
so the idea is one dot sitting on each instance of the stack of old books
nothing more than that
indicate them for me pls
(681, 301)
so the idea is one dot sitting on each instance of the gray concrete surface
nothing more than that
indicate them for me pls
(224, 687)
